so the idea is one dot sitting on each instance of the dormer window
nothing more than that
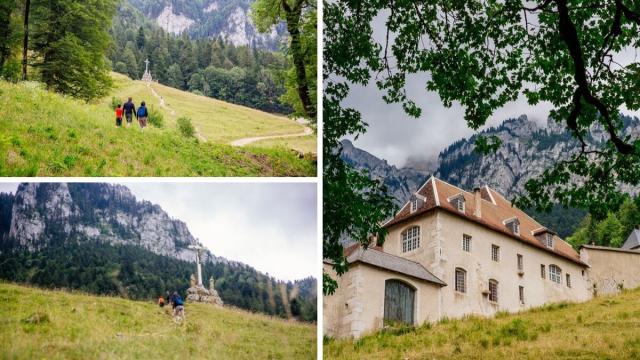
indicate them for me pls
(545, 236)
(415, 202)
(457, 202)
(548, 240)
(513, 225)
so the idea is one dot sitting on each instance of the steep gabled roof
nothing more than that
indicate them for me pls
(495, 209)
(633, 241)
(372, 256)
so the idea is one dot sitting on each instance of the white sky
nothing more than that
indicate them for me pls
(270, 226)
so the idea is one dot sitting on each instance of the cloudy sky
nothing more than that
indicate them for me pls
(396, 137)
(270, 226)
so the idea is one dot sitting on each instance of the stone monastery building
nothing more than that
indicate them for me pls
(450, 253)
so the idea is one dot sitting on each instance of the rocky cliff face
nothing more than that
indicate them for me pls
(527, 150)
(229, 19)
(45, 214)
(401, 183)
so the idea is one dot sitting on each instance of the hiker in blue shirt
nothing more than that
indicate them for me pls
(142, 115)
(178, 306)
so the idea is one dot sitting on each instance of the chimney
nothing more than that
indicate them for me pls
(478, 202)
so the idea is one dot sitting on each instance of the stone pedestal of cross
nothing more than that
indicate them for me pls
(197, 292)
(147, 75)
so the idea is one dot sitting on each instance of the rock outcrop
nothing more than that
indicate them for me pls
(43, 214)
(527, 150)
(217, 18)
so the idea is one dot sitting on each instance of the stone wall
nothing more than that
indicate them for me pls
(611, 269)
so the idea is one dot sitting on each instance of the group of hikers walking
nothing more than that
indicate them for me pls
(129, 111)
(175, 300)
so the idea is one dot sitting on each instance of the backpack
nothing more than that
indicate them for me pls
(142, 111)
(178, 300)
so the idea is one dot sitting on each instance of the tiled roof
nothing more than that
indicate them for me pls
(373, 256)
(495, 209)
(633, 241)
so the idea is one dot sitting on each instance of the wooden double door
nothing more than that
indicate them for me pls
(399, 302)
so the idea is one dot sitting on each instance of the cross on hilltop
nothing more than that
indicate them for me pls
(147, 75)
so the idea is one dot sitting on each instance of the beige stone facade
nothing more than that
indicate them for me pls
(611, 270)
(441, 253)
(357, 307)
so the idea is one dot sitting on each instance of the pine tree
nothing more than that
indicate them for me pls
(140, 38)
(129, 59)
(7, 7)
(69, 40)
(175, 78)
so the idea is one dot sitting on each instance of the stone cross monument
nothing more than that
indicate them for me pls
(198, 250)
(147, 75)
(197, 292)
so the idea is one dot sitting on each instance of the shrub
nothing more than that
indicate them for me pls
(186, 127)
(155, 118)
(114, 102)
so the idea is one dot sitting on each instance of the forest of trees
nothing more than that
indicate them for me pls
(613, 230)
(61, 43)
(212, 67)
(132, 272)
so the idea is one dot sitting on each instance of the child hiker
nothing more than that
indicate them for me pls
(119, 112)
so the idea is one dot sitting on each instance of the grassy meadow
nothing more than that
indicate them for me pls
(216, 120)
(303, 144)
(42, 324)
(604, 328)
(46, 134)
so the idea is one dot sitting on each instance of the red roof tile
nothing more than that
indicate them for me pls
(495, 209)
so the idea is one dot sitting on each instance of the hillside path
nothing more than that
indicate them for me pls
(173, 112)
(249, 140)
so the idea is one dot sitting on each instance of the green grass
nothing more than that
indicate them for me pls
(46, 134)
(216, 120)
(39, 324)
(604, 328)
(303, 144)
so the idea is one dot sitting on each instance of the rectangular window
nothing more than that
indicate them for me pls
(414, 204)
(521, 293)
(520, 263)
(542, 272)
(466, 243)
(411, 239)
(493, 290)
(495, 252)
(555, 274)
(461, 285)
(568, 280)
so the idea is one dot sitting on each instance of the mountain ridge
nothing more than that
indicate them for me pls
(526, 150)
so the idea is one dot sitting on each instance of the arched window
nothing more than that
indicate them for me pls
(411, 238)
(461, 280)
(555, 274)
(399, 299)
(493, 290)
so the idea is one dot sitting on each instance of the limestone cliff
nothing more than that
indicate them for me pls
(43, 214)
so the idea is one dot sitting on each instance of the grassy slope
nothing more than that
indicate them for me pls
(217, 121)
(45, 134)
(303, 144)
(81, 326)
(604, 328)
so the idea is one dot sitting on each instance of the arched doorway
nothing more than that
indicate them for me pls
(399, 301)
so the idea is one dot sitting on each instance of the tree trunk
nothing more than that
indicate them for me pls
(293, 27)
(25, 43)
